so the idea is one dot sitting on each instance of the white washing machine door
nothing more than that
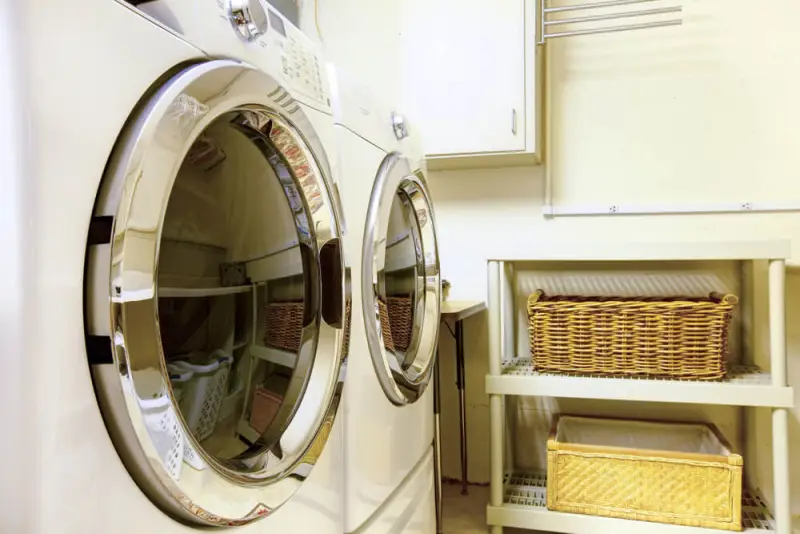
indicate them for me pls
(401, 284)
(215, 296)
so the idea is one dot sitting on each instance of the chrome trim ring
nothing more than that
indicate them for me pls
(403, 376)
(136, 189)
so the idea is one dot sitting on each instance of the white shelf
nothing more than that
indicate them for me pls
(524, 506)
(277, 356)
(244, 429)
(198, 292)
(524, 502)
(675, 251)
(744, 386)
(281, 264)
(303, 470)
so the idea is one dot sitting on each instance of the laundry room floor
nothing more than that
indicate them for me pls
(466, 514)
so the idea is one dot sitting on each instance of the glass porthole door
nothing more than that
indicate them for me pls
(215, 296)
(401, 284)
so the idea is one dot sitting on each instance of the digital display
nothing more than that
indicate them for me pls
(277, 23)
(290, 9)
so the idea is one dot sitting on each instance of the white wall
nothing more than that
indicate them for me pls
(704, 112)
(361, 36)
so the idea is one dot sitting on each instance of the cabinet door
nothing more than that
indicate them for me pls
(466, 74)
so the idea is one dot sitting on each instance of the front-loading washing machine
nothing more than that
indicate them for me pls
(396, 299)
(185, 301)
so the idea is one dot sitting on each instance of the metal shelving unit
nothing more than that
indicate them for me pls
(518, 499)
(524, 504)
(744, 386)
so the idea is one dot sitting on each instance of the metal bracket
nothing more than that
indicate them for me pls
(233, 274)
(545, 22)
(399, 126)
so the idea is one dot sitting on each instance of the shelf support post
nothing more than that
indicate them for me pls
(496, 401)
(777, 321)
(780, 416)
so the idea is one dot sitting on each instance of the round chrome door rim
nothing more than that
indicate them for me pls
(145, 163)
(403, 384)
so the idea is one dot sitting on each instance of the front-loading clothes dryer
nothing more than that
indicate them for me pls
(391, 240)
(186, 293)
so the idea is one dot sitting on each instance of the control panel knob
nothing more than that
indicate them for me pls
(399, 126)
(248, 18)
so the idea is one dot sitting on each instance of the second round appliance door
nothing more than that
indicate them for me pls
(401, 284)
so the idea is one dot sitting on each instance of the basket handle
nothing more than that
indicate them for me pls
(552, 443)
(536, 296)
(720, 298)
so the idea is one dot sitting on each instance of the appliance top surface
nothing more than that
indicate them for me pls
(361, 111)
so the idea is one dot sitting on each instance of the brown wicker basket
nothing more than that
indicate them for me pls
(674, 337)
(346, 326)
(677, 473)
(386, 330)
(399, 316)
(284, 325)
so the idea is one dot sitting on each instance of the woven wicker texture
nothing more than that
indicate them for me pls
(400, 316)
(675, 488)
(284, 325)
(346, 340)
(662, 337)
(386, 331)
(315, 451)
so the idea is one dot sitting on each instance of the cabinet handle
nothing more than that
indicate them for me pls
(514, 121)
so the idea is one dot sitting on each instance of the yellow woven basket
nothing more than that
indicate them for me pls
(681, 474)
(676, 337)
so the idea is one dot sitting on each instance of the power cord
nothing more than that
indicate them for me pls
(316, 21)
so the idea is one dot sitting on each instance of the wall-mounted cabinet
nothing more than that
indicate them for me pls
(472, 81)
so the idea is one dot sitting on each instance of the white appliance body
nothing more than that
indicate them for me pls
(388, 435)
(90, 74)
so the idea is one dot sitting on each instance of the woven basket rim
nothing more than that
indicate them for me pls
(722, 299)
(554, 445)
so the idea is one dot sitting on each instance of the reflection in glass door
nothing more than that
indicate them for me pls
(401, 281)
(214, 277)
(237, 286)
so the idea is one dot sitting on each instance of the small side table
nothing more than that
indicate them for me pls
(455, 311)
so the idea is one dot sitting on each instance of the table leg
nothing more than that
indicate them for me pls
(462, 405)
(437, 447)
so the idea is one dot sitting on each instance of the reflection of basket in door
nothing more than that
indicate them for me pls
(399, 317)
(164, 429)
(284, 325)
(203, 396)
(265, 406)
(386, 332)
(346, 334)
(315, 451)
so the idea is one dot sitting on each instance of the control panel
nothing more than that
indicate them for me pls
(251, 31)
(300, 63)
(301, 66)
